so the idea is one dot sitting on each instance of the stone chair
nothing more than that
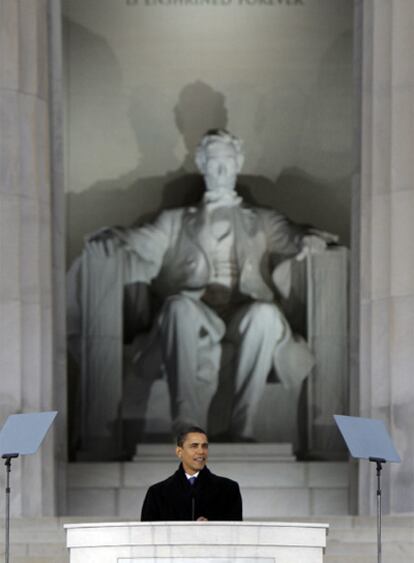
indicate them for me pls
(122, 388)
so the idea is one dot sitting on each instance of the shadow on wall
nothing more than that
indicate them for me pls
(132, 198)
(93, 95)
(303, 198)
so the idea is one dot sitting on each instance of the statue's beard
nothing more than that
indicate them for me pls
(222, 196)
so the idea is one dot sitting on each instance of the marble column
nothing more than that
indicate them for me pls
(30, 329)
(386, 232)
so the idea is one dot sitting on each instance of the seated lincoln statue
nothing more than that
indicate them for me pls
(215, 268)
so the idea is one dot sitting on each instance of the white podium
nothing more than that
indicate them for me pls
(196, 542)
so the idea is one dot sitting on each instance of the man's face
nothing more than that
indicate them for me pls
(221, 167)
(194, 452)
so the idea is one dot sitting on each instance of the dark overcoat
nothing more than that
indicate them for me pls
(213, 497)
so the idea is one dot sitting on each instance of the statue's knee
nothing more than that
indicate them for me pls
(178, 306)
(267, 316)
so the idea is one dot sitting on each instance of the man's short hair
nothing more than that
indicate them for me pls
(182, 434)
(217, 135)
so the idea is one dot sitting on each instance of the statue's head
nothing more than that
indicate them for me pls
(219, 158)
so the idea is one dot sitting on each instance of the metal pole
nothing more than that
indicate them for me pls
(7, 524)
(379, 463)
(7, 463)
(379, 549)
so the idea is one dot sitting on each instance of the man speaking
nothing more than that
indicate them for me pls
(193, 492)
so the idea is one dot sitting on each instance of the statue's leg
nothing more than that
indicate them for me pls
(255, 330)
(183, 326)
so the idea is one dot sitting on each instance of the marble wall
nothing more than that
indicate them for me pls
(386, 230)
(28, 265)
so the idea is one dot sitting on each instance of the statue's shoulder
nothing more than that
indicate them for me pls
(174, 214)
(264, 213)
(253, 211)
(182, 212)
(260, 219)
(173, 220)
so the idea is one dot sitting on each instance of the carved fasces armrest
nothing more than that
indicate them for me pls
(302, 283)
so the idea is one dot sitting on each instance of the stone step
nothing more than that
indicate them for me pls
(350, 539)
(365, 551)
(270, 488)
(40, 540)
(221, 451)
(354, 540)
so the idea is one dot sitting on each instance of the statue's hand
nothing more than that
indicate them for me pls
(329, 238)
(315, 242)
(103, 242)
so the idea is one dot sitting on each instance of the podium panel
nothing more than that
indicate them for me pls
(196, 542)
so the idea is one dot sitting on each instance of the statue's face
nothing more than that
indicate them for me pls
(221, 167)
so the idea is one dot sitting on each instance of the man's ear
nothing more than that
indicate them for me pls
(178, 452)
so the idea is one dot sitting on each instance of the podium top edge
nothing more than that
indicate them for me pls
(221, 523)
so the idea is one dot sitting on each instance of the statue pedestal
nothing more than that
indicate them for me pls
(199, 542)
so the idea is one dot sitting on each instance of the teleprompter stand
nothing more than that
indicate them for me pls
(22, 434)
(367, 438)
(7, 463)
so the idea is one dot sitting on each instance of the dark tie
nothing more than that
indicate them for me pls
(192, 480)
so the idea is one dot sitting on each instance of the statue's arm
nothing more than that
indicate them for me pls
(144, 247)
(284, 237)
(288, 238)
